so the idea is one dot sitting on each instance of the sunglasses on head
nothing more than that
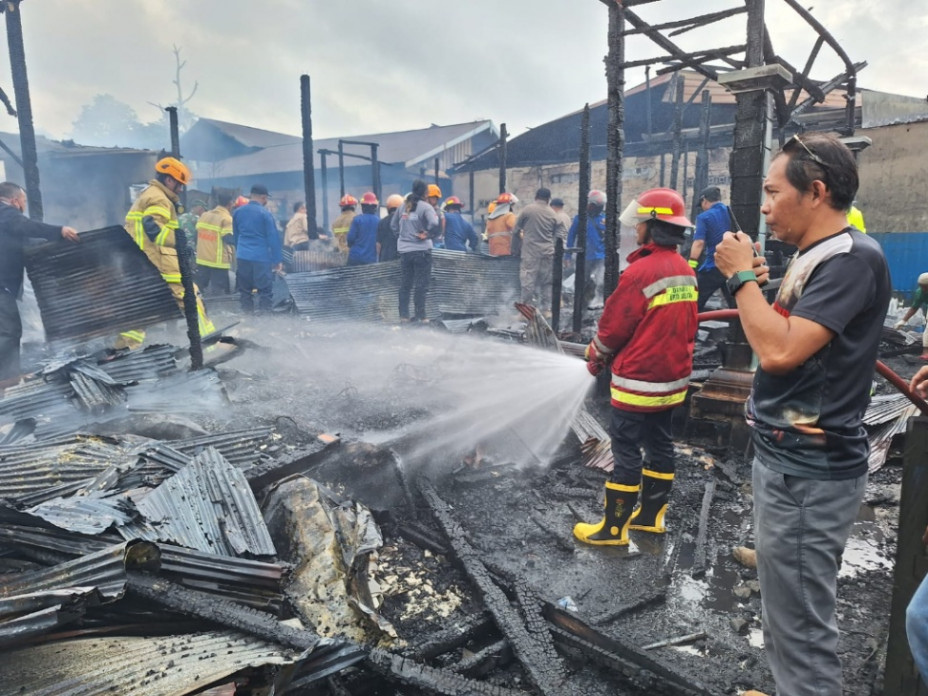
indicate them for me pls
(812, 156)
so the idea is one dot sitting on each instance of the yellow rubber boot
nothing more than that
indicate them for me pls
(655, 492)
(612, 530)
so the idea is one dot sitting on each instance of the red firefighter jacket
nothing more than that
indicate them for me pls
(649, 325)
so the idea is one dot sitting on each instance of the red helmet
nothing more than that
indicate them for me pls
(239, 202)
(348, 201)
(453, 201)
(369, 198)
(660, 204)
(505, 198)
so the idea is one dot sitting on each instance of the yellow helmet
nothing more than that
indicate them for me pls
(394, 201)
(174, 168)
(434, 191)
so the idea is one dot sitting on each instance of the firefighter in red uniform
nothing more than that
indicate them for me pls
(646, 331)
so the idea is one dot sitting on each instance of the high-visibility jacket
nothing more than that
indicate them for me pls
(160, 203)
(499, 235)
(649, 325)
(340, 229)
(213, 227)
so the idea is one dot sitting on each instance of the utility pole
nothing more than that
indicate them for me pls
(30, 159)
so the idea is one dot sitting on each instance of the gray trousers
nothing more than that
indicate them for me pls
(535, 277)
(11, 331)
(801, 527)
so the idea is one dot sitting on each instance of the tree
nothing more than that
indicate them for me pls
(106, 122)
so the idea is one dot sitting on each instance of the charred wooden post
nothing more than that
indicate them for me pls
(470, 194)
(484, 661)
(677, 142)
(437, 171)
(901, 677)
(647, 601)
(641, 671)
(431, 679)
(14, 37)
(309, 167)
(701, 175)
(375, 171)
(557, 282)
(699, 554)
(582, 221)
(647, 91)
(543, 666)
(341, 169)
(453, 637)
(186, 262)
(325, 188)
(615, 142)
(503, 144)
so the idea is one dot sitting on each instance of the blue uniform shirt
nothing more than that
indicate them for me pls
(595, 228)
(459, 233)
(362, 239)
(710, 226)
(255, 234)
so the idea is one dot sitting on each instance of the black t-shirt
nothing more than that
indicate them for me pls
(807, 423)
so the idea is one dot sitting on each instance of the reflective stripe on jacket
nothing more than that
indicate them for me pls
(649, 325)
(213, 227)
(157, 202)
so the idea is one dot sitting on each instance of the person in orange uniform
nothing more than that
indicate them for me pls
(500, 224)
(152, 223)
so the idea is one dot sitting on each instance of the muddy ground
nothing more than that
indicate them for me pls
(520, 518)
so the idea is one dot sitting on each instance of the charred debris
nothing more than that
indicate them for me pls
(141, 552)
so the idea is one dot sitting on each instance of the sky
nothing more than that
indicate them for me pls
(400, 65)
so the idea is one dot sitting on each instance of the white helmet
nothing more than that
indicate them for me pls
(923, 279)
(597, 198)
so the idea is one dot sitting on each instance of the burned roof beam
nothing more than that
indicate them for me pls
(690, 23)
(819, 42)
(543, 666)
(826, 87)
(668, 45)
(801, 79)
(700, 55)
(432, 680)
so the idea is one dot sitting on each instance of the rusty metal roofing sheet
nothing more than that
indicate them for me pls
(132, 666)
(31, 474)
(100, 286)
(208, 506)
(461, 284)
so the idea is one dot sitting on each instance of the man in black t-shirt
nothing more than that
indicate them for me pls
(816, 348)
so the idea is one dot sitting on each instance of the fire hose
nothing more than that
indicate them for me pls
(881, 367)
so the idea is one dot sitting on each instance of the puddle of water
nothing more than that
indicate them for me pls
(862, 552)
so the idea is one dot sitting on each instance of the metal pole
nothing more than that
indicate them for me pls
(341, 168)
(701, 176)
(470, 197)
(325, 191)
(582, 217)
(185, 261)
(437, 164)
(502, 157)
(557, 281)
(647, 92)
(14, 37)
(309, 167)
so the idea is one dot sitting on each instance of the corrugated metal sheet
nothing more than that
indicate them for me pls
(32, 474)
(138, 365)
(131, 666)
(181, 393)
(104, 570)
(35, 613)
(85, 514)
(461, 284)
(240, 447)
(207, 506)
(101, 286)
(905, 254)
(250, 582)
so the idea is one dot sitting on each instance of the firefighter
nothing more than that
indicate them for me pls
(647, 332)
(214, 251)
(500, 223)
(342, 224)
(152, 222)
